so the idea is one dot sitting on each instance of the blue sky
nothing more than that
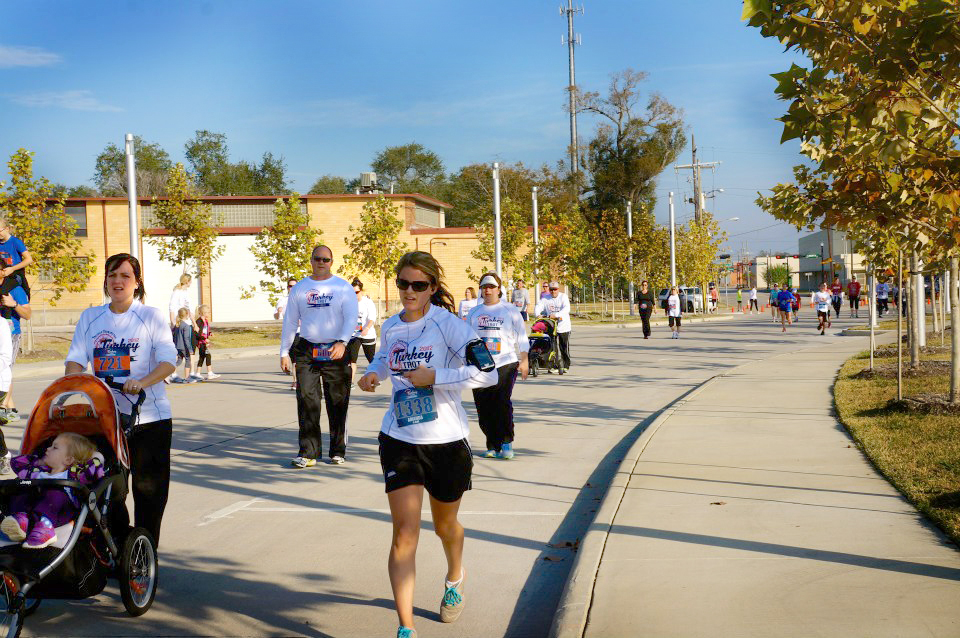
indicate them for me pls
(329, 83)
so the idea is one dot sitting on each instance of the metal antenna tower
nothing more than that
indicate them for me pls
(570, 41)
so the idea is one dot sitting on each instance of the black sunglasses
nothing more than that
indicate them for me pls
(323, 260)
(418, 286)
(554, 289)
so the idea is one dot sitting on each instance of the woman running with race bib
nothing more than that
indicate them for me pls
(430, 356)
(501, 327)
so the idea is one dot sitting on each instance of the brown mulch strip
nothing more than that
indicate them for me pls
(926, 404)
(890, 371)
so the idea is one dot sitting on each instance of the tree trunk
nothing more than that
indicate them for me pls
(933, 304)
(900, 325)
(954, 330)
(916, 301)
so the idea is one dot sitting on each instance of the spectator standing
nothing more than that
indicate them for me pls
(15, 306)
(14, 256)
(180, 298)
(468, 302)
(557, 306)
(754, 305)
(714, 299)
(280, 310)
(645, 306)
(325, 308)
(204, 334)
(520, 297)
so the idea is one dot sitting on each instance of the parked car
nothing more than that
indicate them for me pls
(691, 297)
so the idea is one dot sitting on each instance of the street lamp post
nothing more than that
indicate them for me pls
(496, 216)
(673, 246)
(821, 265)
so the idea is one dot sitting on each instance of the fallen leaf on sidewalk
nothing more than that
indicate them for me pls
(719, 503)
(554, 559)
(565, 544)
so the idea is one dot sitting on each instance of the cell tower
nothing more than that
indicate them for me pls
(571, 40)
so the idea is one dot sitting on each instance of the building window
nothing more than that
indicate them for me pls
(79, 215)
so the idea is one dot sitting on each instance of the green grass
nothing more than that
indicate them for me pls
(919, 453)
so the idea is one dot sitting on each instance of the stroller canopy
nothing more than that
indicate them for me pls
(99, 418)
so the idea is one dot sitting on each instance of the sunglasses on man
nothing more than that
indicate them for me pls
(418, 286)
(323, 260)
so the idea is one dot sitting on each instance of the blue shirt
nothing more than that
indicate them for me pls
(11, 251)
(20, 296)
(785, 300)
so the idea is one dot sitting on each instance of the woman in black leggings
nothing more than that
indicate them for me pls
(645, 305)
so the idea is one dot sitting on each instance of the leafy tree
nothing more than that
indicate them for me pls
(629, 149)
(152, 164)
(190, 224)
(375, 246)
(214, 174)
(411, 167)
(470, 191)
(697, 247)
(515, 256)
(564, 244)
(779, 274)
(329, 185)
(62, 190)
(45, 229)
(281, 250)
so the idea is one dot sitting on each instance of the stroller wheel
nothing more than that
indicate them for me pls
(534, 366)
(138, 572)
(11, 622)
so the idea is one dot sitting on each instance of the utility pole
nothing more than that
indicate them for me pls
(131, 152)
(572, 40)
(536, 239)
(630, 237)
(496, 216)
(673, 245)
(698, 197)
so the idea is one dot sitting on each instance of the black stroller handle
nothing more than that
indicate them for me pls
(135, 405)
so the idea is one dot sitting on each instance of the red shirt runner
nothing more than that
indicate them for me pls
(853, 289)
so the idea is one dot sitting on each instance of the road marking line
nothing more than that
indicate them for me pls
(227, 511)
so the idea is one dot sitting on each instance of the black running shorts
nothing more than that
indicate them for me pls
(674, 321)
(443, 469)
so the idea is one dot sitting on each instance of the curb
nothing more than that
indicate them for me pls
(573, 611)
(55, 369)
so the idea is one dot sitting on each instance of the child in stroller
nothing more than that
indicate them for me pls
(34, 518)
(544, 347)
(88, 548)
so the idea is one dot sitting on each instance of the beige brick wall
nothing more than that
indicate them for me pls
(107, 234)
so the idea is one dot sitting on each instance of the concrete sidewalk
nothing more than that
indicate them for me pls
(745, 509)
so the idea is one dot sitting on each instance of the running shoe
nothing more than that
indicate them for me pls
(506, 451)
(41, 535)
(490, 454)
(406, 632)
(212, 375)
(196, 376)
(15, 527)
(338, 460)
(302, 462)
(451, 605)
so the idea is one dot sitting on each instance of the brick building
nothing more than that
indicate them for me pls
(103, 228)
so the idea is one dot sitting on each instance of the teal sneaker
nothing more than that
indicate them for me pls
(490, 454)
(506, 451)
(406, 632)
(451, 606)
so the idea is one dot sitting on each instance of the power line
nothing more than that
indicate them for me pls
(756, 230)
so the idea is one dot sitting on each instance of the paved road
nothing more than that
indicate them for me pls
(253, 547)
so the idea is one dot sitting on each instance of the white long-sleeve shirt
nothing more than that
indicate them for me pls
(326, 311)
(367, 313)
(124, 346)
(180, 298)
(501, 327)
(437, 340)
(559, 306)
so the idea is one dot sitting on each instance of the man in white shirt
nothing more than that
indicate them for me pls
(325, 308)
(557, 306)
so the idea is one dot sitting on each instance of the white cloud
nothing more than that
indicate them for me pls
(11, 56)
(72, 100)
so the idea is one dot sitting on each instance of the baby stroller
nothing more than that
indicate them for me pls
(87, 550)
(544, 346)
